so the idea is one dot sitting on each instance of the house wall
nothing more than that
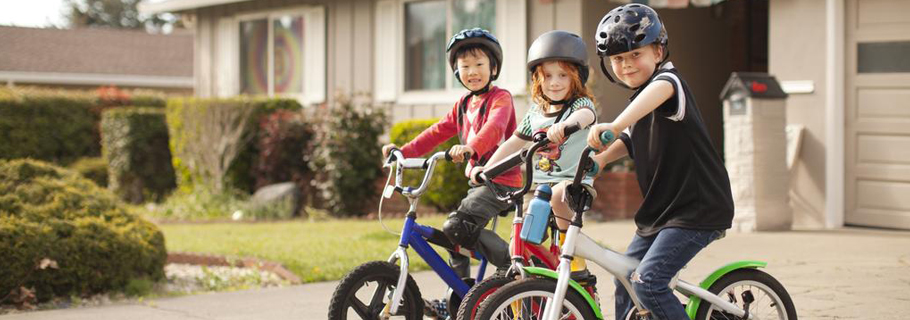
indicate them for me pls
(797, 52)
(700, 48)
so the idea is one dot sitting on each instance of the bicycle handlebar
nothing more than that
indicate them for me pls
(402, 163)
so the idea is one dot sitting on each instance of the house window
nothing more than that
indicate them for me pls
(271, 55)
(428, 27)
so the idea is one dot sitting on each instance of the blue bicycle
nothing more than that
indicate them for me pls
(382, 289)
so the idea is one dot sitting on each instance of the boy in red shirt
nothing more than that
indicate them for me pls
(482, 119)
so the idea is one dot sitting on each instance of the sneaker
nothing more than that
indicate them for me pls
(435, 309)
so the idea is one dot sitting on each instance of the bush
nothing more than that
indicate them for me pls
(347, 158)
(62, 235)
(449, 185)
(60, 126)
(94, 169)
(191, 141)
(47, 125)
(135, 144)
(284, 138)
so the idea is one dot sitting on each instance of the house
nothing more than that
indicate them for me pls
(93, 57)
(394, 50)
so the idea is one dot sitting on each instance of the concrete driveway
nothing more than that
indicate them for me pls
(849, 273)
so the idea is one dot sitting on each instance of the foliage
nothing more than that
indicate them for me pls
(61, 235)
(347, 157)
(94, 169)
(209, 140)
(449, 184)
(135, 144)
(203, 204)
(60, 126)
(284, 138)
(120, 14)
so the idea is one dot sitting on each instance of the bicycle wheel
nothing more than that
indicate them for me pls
(771, 300)
(364, 293)
(526, 299)
(479, 292)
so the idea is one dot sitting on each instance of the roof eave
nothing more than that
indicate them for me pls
(177, 6)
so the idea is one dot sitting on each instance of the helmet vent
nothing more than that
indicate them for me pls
(603, 35)
(639, 38)
(634, 6)
(602, 47)
(634, 27)
(616, 20)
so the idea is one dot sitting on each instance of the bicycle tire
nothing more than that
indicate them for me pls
(769, 295)
(471, 302)
(531, 293)
(385, 275)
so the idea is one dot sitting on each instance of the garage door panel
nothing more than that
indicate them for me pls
(879, 218)
(883, 195)
(883, 149)
(878, 12)
(876, 171)
(878, 103)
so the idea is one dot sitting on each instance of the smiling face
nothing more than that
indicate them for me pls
(556, 81)
(474, 69)
(635, 67)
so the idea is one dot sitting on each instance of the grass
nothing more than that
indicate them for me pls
(315, 251)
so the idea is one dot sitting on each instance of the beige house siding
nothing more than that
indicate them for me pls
(797, 52)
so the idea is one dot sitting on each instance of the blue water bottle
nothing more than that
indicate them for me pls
(535, 223)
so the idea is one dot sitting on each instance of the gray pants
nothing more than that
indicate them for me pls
(481, 205)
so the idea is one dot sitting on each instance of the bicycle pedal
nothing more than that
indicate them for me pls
(584, 277)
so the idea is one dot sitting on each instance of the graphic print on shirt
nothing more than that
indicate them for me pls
(549, 155)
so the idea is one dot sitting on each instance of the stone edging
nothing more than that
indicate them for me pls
(215, 260)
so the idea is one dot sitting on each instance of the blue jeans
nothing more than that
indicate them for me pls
(662, 256)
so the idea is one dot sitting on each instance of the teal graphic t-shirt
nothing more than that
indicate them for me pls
(554, 163)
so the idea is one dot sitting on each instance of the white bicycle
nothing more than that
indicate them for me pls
(735, 291)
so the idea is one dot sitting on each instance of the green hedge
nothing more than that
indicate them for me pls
(135, 144)
(51, 213)
(240, 174)
(60, 126)
(449, 184)
(46, 125)
(93, 168)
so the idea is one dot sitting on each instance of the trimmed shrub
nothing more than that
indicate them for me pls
(94, 169)
(185, 117)
(60, 126)
(135, 144)
(284, 138)
(62, 235)
(47, 125)
(347, 158)
(449, 185)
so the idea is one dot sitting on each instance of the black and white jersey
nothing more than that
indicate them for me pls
(681, 175)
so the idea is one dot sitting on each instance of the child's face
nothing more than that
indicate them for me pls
(635, 67)
(556, 81)
(474, 70)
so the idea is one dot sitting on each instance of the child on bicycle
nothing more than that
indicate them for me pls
(558, 62)
(687, 197)
(481, 119)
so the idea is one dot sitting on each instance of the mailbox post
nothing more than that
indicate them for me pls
(755, 151)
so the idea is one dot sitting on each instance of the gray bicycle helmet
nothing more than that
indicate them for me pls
(559, 45)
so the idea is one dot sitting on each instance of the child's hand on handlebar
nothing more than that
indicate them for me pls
(458, 153)
(386, 149)
(472, 175)
(594, 135)
(556, 133)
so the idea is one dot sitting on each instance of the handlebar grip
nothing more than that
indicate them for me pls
(569, 130)
(448, 157)
(606, 137)
(480, 177)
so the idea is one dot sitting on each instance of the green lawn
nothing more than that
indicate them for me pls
(315, 251)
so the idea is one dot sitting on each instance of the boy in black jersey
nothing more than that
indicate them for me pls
(687, 198)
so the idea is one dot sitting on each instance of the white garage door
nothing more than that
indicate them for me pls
(878, 113)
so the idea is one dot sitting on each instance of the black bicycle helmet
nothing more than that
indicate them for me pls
(559, 45)
(476, 37)
(626, 28)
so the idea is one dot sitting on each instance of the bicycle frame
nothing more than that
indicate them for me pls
(617, 264)
(415, 235)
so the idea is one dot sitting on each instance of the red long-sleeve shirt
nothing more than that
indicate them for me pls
(483, 132)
